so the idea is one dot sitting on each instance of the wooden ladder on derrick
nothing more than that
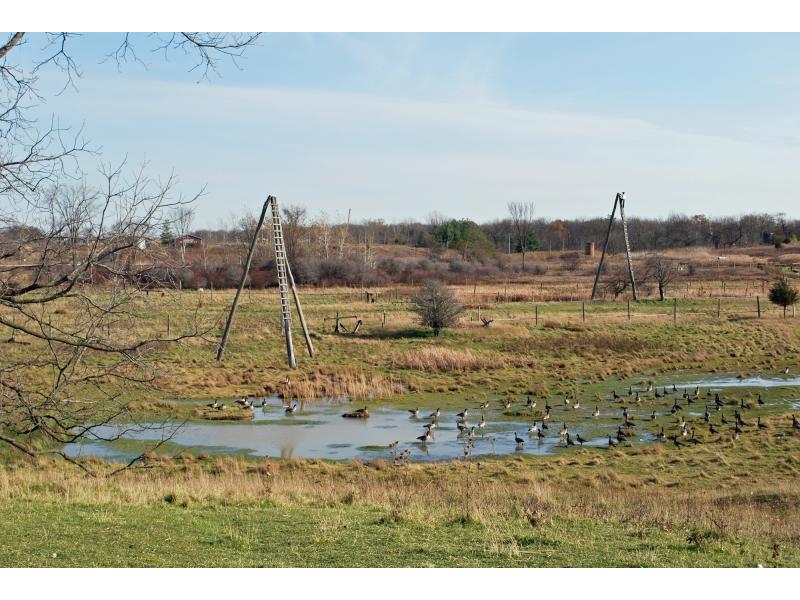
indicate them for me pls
(619, 199)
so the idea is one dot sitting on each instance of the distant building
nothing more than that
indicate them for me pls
(187, 240)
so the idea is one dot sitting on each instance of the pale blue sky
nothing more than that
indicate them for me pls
(397, 126)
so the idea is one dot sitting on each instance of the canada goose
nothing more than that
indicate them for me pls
(214, 404)
(581, 441)
(568, 441)
(247, 404)
(795, 423)
(706, 416)
(638, 398)
(677, 443)
(485, 405)
(425, 437)
(566, 401)
(674, 388)
(547, 406)
(762, 425)
(532, 429)
(463, 414)
(744, 405)
(630, 390)
(737, 429)
(612, 442)
(653, 416)
(531, 403)
(507, 404)
(546, 415)
(577, 405)
(786, 371)
(760, 401)
(660, 435)
(734, 435)
(221, 406)
(467, 450)
(544, 426)
(482, 423)
(722, 418)
(614, 395)
(689, 400)
(520, 441)
(242, 401)
(657, 394)
(596, 412)
(462, 426)
(711, 429)
(564, 431)
(697, 391)
(717, 401)
(414, 412)
(431, 425)
(291, 409)
(360, 413)
(435, 414)
(621, 434)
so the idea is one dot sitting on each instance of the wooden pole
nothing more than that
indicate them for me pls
(168, 325)
(674, 309)
(384, 319)
(537, 313)
(758, 306)
(337, 322)
(605, 245)
(583, 311)
(718, 307)
(246, 270)
(300, 310)
(629, 309)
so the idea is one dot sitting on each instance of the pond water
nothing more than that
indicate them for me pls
(317, 429)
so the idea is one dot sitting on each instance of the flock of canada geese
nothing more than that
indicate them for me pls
(675, 429)
(670, 427)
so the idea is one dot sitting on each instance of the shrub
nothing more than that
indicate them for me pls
(783, 294)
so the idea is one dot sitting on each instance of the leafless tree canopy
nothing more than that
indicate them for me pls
(522, 223)
(437, 306)
(663, 271)
(77, 258)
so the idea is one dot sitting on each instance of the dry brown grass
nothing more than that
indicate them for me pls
(439, 359)
(339, 384)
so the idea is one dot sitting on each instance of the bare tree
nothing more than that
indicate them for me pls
(75, 266)
(617, 281)
(522, 222)
(182, 219)
(294, 220)
(437, 306)
(663, 271)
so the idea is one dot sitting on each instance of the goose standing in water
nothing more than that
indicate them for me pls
(414, 412)
(425, 437)
(596, 412)
(482, 423)
(564, 431)
(520, 441)
(581, 441)
(612, 442)
(291, 409)
(435, 414)
(568, 441)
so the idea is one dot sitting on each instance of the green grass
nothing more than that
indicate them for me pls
(260, 535)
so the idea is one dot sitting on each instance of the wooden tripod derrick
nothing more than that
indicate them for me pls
(285, 283)
(619, 199)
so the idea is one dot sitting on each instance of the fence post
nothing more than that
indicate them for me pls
(536, 307)
(583, 311)
(629, 309)
(674, 310)
(337, 322)
(758, 306)
(168, 325)
(384, 319)
(718, 307)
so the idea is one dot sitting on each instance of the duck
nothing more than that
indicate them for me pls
(520, 441)
(596, 412)
(360, 413)
(414, 412)
(291, 409)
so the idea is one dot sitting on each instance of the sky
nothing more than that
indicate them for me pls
(397, 126)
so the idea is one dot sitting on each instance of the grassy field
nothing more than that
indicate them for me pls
(712, 504)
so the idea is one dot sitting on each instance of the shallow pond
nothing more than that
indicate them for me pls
(318, 430)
